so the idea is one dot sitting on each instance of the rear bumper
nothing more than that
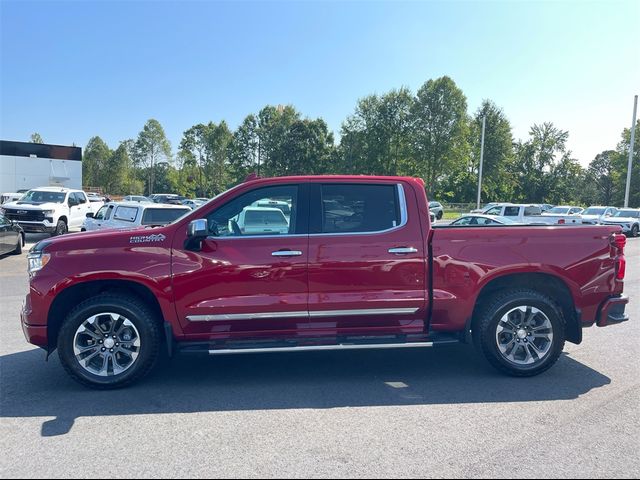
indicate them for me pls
(612, 311)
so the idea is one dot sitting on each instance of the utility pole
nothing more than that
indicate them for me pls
(484, 122)
(631, 145)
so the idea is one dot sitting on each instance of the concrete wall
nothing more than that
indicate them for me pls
(18, 173)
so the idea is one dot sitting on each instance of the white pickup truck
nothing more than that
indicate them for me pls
(52, 210)
(531, 214)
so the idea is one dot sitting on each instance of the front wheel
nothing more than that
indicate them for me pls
(635, 230)
(109, 341)
(521, 332)
(440, 214)
(61, 228)
(18, 249)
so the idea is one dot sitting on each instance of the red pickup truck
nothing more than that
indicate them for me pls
(356, 265)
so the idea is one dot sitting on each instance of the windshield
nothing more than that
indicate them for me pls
(43, 197)
(559, 210)
(628, 214)
(593, 211)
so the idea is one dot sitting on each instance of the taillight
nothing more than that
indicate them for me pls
(619, 241)
(561, 221)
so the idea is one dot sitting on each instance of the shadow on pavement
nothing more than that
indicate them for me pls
(320, 380)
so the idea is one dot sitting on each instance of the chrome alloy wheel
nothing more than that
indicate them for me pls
(524, 336)
(106, 344)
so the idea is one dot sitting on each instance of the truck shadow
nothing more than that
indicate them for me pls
(319, 380)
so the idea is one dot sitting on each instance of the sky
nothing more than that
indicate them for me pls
(72, 70)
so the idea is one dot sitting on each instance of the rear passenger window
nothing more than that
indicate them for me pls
(511, 211)
(128, 214)
(532, 211)
(359, 208)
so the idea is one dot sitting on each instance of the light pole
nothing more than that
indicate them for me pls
(484, 122)
(631, 146)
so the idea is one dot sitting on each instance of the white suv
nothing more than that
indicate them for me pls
(52, 210)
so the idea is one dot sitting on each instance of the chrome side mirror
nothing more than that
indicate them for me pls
(198, 229)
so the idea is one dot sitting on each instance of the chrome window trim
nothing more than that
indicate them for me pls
(404, 219)
(301, 314)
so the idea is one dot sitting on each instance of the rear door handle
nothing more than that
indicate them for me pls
(403, 250)
(287, 253)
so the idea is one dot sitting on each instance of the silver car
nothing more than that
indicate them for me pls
(628, 219)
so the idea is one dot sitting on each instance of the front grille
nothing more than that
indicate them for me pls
(27, 216)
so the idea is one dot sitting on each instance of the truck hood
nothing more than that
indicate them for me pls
(132, 237)
(32, 206)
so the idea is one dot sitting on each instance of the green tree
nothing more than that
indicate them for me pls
(95, 162)
(244, 153)
(307, 149)
(602, 175)
(36, 138)
(621, 162)
(150, 149)
(440, 135)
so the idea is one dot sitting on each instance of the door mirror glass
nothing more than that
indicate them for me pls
(90, 215)
(198, 229)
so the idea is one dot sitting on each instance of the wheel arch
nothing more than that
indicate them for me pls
(546, 283)
(68, 298)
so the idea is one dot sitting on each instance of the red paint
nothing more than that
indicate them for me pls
(336, 272)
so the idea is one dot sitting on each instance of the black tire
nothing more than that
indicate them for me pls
(440, 215)
(485, 330)
(138, 313)
(61, 229)
(18, 249)
(635, 230)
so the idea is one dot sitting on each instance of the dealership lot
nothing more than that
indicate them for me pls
(434, 413)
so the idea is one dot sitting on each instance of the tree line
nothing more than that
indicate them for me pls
(429, 134)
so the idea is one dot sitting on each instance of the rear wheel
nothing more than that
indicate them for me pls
(440, 214)
(109, 341)
(635, 230)
(521, 332)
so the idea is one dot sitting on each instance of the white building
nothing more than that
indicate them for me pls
(30, 165)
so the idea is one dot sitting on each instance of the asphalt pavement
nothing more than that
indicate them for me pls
(406, 413)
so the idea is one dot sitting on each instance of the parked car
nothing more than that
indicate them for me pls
(362, 274)
(137, 198)
(10, 197)
(488, 207)
(280, 205)
(168, 199)
(628, 219)
(532, 214)
(564, 210)
(478, 219)
(192, 204)
(11, 237)
(437, 209)
(202, 199)
(261, 220)
(595, 215)
(133, 214)
(52, 210)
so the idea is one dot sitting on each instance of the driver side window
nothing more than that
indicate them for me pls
(260, 212)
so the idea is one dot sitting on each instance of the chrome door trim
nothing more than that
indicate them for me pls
(301, 314)
(360, 312)
(319, 348)
(246, 316)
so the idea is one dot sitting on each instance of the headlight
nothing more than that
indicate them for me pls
(37, 261)
(48, 212)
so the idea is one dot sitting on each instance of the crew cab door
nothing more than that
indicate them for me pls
(246, 283)
(78, 209)
(367, 260)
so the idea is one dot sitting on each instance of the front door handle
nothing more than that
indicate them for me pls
(287, 253)
(403, 250)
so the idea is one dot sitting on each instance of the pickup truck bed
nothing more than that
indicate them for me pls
(361, 267)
